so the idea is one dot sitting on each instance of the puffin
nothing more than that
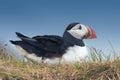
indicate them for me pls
(54, 49)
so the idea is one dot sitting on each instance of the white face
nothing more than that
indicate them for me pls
(78, 31)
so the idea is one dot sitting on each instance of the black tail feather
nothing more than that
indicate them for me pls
(13, 42)
(17, 42)
(21, 35)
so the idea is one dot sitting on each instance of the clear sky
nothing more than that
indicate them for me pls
(39, 17)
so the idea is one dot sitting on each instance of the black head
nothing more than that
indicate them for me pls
(70, 26)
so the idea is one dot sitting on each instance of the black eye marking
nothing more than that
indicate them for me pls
(80, 27)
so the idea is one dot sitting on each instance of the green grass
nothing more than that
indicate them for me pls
(100, 68)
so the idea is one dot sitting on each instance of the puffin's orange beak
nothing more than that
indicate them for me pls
(91, 33)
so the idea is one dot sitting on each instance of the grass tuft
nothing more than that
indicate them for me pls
(99, 68)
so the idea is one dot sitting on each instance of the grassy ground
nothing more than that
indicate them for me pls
(11, 69)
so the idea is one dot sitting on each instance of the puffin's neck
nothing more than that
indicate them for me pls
(71, 41)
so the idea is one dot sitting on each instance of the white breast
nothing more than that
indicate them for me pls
(75, 54)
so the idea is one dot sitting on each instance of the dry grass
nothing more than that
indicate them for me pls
(11, 69)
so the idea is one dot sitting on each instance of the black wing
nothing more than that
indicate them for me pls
(47, 44)
(50, 43)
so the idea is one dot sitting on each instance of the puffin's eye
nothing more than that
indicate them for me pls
(80, 27)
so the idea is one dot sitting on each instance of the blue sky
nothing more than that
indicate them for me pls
(39, 17)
